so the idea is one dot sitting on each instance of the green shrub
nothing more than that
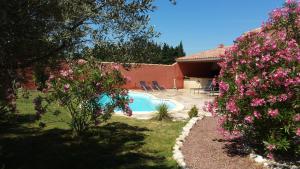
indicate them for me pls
(162, 112)
(193, 112)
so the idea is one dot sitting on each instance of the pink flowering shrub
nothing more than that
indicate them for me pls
(79, 89)
(260, 85)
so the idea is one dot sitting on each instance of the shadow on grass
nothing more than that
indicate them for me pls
(112, 146)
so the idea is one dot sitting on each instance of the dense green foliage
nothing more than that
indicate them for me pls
(120, 143)
(137, 51)
(193, 112)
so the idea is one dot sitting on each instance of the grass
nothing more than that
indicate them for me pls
(120, 143)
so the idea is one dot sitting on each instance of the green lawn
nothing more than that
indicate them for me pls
(120, 143)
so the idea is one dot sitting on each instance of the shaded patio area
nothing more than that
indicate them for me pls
(201, 67)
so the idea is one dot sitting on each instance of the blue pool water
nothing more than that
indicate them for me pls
(141, 102)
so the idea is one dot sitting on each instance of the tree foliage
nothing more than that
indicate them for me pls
(35, 33)
(137, 51)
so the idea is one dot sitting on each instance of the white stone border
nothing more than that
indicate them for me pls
(179, 158)
(270, 163)
(177, 154)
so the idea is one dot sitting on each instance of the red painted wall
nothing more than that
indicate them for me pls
(163, 74)
(28, 79)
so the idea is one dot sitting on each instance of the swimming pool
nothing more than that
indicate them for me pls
(143, 102)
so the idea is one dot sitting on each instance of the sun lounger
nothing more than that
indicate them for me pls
(156, 86)
(144, 86)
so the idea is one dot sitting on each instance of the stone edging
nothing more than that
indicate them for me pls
(177, 154)
(270, 163)
(179, 158)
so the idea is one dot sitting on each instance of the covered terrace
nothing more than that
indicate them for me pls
(198, 68)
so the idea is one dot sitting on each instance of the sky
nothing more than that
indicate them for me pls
(204, 24)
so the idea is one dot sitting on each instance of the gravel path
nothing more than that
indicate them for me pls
(205, 149)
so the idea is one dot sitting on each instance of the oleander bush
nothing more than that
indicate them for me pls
(260, 85)
(79, 88)
(193, 112)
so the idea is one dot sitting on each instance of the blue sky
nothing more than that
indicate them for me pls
(204, 24)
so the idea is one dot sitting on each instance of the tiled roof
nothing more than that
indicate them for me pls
(256, 30)
(213, 54)
(204, 56)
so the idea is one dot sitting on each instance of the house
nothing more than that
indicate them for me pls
(187, 72)
(198, 68)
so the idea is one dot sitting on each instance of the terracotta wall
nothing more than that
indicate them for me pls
(29, 79)
(163, 74)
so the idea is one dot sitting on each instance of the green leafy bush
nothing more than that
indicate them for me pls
(162, 112)
(193, 112)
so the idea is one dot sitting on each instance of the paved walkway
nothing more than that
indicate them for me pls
(187, 98)
(205, 149)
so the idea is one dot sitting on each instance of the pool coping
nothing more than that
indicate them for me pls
(149, 114)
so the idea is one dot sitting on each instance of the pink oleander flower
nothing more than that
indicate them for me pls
(290, 2)
(266, 58)
(124, 92)
(257, 102)
(298, 132)
(273, 113)
(249, 119)
(282, 97)
(272, 99)
(250, 92)
(98, 84)
(223, 86)
(64, 73)
(271, 147)
(131, 100)
(51, 77)
(126, 105)
(231, 106)
(66, 87)
(129, 112)
(296, 118)
(81, 61)
(280, 73)
(254, 81)
(70, 71)
(116, 67)
(257, 114)
(270, 156)
(207, 107)
(210, 107)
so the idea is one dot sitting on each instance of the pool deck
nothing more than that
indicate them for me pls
(184, 96)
